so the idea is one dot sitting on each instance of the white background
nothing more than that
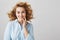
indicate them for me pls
(46, 22)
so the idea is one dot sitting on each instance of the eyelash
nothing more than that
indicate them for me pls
(18, 12)
(23, 12)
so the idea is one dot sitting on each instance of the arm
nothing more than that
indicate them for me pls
(7, 32)
(29, 34)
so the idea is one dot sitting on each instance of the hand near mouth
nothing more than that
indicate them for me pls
(24, 22)
(24, 27)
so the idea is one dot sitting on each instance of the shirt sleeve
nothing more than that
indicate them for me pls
(7, 32)
(30, 35)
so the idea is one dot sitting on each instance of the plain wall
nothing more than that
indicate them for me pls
(46, 22)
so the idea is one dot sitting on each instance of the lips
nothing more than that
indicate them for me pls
(20, 17)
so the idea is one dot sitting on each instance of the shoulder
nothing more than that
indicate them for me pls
(12, 22)
(29, 23)
(10, 25)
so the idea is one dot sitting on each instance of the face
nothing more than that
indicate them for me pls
(20, 13)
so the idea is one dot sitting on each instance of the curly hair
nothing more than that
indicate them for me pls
(28, 9)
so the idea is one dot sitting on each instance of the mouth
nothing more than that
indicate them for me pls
(21, 17)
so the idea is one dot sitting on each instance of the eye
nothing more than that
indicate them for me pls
(23, 12)
(18, 12)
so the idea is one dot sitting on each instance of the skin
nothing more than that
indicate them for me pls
(21, 16)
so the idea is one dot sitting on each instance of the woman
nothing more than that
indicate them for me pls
(19, 27)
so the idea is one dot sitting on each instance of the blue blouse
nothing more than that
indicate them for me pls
(14, 31)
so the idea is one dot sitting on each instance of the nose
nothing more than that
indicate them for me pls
(21, 14)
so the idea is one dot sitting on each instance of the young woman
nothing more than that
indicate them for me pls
(18, 28)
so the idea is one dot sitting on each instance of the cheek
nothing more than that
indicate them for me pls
(17, 15)
(24, 15)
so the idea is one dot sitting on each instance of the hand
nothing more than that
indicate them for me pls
(24, 22)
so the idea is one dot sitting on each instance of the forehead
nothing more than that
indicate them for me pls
(20, 9)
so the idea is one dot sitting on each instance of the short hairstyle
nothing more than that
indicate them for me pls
(28, 9)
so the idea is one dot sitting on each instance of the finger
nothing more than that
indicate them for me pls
(25, 19)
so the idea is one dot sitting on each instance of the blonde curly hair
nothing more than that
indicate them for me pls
(29, 15)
